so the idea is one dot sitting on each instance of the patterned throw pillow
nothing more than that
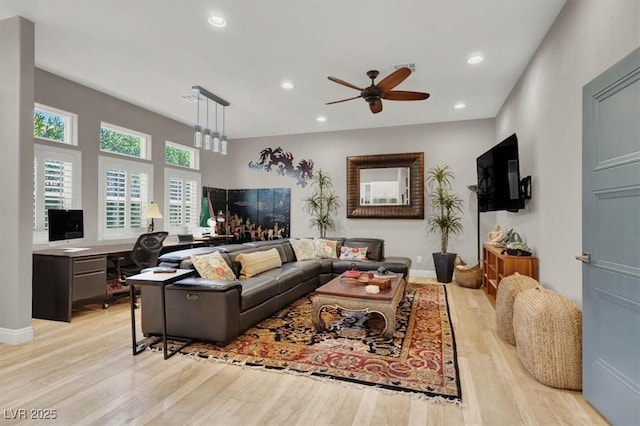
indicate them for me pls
(326, 249)
(213, 266)
(353, 253)
(259, 261)
(304, 248)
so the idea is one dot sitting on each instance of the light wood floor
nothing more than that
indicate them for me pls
(84, 371)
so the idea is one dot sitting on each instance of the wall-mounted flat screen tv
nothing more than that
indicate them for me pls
(65, 224)
(499, 178)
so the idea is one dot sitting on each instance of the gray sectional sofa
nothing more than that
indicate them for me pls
(219, 310)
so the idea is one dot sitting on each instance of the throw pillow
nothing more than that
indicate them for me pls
(260, 261)
(304, 248)
(326, 249)
(353, 253)
(213, 266)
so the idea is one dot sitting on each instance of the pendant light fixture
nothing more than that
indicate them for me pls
(197, 130)
(207, 132)
(212, 140)
(216, 135)
(223, 138)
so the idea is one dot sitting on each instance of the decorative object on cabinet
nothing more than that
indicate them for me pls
(322, 204)
(445, 218)
(496, 266)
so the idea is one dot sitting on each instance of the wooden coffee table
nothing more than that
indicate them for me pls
(350, 295)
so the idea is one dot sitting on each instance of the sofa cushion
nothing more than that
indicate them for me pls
(353, 253)
(375, 246)
(212, 266)
(304, 249)
(257, 290)
(326, 249)
(260, 261)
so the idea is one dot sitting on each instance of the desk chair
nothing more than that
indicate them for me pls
(144, 254)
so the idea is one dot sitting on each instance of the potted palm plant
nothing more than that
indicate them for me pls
(322, 204)
(445, 218)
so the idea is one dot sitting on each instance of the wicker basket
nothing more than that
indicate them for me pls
(548, 331)
(468, 276)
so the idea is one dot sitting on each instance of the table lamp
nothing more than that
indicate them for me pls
(151, 212)
(220, 219)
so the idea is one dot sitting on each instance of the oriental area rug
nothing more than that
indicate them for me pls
(419, 359)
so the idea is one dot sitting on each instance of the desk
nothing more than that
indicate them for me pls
(159, 280)
(63, 278)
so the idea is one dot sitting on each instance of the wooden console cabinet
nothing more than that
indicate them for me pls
(496, 266)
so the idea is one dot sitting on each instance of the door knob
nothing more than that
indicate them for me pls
(585, 258)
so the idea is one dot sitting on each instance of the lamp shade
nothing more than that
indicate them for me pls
(152, 212)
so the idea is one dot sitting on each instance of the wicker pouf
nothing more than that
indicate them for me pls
(548, 331)
(507, 291)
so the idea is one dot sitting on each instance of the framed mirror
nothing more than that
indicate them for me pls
(387, 186)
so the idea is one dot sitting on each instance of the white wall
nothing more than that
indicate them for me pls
(456, 144)
(545, 109)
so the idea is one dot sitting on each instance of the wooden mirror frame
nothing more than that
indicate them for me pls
(413, 160)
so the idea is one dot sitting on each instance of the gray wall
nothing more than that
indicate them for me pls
(94, 107)
(455, 143)
(545, 109)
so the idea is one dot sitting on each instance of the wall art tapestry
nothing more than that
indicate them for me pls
(283, 164)
(258, 214)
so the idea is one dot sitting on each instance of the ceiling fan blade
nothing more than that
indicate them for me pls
(343, 100)
(401, 95)
(376, 107)
(393, 79)
(344, 83)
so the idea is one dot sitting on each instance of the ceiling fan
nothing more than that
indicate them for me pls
(376, 92)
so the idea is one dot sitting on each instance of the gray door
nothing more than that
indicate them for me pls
(611, 235)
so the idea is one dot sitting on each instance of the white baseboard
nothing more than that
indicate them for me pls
(426, 273)
(16, 337)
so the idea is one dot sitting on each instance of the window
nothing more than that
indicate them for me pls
(118, 140)
(56, 185)
(54, 125)
(179, 155)
(181, 210)
(124, 192)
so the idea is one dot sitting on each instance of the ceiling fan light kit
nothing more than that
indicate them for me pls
(374, 93)
(213, 141)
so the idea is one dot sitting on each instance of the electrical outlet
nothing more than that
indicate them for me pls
(419, 259)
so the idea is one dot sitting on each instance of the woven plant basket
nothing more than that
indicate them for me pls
(548, 331)
(468, 276)
(508, 289)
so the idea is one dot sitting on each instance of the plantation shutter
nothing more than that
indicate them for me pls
(116, 197)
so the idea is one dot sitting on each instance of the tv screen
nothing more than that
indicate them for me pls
(499, 177)
(65, 224)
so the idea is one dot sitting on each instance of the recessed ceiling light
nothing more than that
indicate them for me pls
(217, 21)
(321, 118)
(460, 105)
(286, 85)
(475, 59)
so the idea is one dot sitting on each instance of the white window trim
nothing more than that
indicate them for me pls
(145, 148)
(70, 130)
(181, 174)
(105, 162)
(61, 154)
(195, 156)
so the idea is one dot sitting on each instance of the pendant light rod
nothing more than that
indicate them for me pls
(209, 95)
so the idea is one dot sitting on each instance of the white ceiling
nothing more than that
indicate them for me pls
(150, 53)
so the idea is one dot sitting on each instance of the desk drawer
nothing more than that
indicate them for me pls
(89, 264)
(89, 285)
